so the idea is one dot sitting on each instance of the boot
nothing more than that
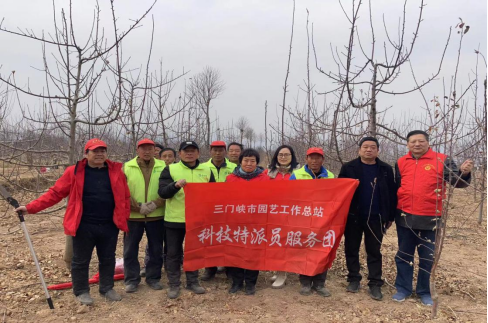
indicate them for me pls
(85, 299)
(235, 288)
(112, 296)
(322, 291)
(353, 287)
(130, 288)
(250, 289)
(207, 275)
(173, 292)
(306, 290)
(279, 281)
(155, 285)
(196, 288)
(375, 293)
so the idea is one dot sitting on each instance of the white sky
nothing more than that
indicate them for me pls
(247, 41)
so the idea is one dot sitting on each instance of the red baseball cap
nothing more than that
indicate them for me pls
(218, 143)
(94, 144)
(145, 141)
(315, 150)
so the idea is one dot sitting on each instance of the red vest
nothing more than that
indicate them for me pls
(422, 186)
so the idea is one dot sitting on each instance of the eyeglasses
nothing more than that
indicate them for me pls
(284, 155)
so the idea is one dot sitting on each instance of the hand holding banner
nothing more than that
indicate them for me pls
(292, 226)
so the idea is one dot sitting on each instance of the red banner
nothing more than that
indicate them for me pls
(293, 226)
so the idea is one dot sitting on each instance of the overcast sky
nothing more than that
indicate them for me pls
(247, 41)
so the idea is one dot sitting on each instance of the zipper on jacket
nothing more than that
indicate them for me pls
(413, 182)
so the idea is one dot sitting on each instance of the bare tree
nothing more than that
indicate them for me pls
(205, 87)
(71, 81)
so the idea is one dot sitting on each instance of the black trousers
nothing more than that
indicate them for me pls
(241, 275)
(165, 250)
(373, 236)
(174, 241)
(132, 268)
(89, 236)
(316, 281)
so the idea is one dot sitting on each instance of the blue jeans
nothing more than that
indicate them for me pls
(408, 241)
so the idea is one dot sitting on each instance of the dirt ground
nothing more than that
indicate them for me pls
(461, 283)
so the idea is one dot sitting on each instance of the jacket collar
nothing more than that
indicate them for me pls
(223, 165)
(357, 162)
(248, 176)
(430, 154)
(189, 167)
(323, 172)
(112, 166)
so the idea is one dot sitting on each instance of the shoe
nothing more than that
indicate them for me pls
(306, 290)
(426, 300)
(143, 272)
(273, 278)
(173, 292)
(353, 287)
(112, 296)
(279, 281)
(207, 275)
(155, 285)
(235, 288)
(399, 296)
(196, 288)
(375, 293)
(130, 288)
(220, 270)
(322, 291)
(250, 289)
(85, 299)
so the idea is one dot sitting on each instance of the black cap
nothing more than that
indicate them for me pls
(186, 144)
(369, 139)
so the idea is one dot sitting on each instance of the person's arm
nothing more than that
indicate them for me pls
(127, 199)
(398, 177)
(392, 189)
(167, 187)
(454, 176)
(54, 195)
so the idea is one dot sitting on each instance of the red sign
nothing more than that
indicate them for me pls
(293, 226)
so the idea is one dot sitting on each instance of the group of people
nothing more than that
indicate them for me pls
(145, 195)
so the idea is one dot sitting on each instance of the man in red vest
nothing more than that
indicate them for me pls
(421, 176)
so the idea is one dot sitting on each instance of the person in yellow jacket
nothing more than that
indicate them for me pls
(314, 169)
(147, 214)
(172, 180)
(221, 167)
(218, 163)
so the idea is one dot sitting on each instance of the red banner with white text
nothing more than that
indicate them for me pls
(293, 226)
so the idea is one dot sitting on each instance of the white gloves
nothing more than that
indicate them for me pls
(148, 207)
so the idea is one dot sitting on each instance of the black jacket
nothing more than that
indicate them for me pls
(385, 183)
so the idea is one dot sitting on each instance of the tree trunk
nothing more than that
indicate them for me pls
(372, 111)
